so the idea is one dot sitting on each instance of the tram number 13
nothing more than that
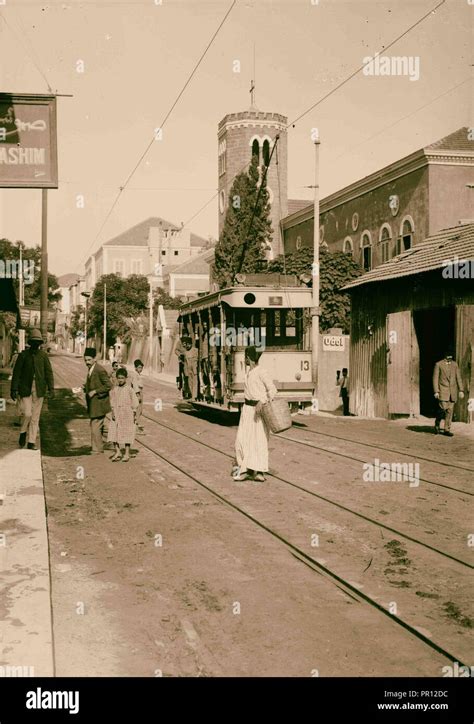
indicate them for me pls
(304, 365)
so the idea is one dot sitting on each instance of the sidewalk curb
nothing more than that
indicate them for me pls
(25, 582)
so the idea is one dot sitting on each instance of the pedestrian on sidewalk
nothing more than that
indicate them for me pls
(137, 386)
(447, 385)
(96, 388)
(124, 403)
(32, 379)
(251, 445)
(343, 382)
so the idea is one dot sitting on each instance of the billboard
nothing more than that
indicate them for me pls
(28, 147)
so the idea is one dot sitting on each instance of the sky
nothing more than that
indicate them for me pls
(137, 56)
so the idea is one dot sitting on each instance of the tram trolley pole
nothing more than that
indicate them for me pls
(315, 310)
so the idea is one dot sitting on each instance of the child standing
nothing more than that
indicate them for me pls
(137, 386)
(124, 403)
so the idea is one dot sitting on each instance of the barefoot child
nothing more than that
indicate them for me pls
(124, 403)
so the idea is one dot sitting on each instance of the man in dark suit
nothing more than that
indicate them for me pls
(447, 383)
(97, 389)
(32, 379)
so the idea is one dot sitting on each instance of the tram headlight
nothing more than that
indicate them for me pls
(298, 375)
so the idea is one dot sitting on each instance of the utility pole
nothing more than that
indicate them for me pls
(44, 266)
(315, 311)
(21, 295)
(150, 331)
(104, 355)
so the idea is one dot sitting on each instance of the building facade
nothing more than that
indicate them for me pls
(392, 210)
(147, 248)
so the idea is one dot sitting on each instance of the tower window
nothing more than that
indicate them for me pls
(266, 153)
(256, 150)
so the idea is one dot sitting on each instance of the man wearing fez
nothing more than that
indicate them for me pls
(32, 378)
(97, 389)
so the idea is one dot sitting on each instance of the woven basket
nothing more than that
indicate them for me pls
(277, 415)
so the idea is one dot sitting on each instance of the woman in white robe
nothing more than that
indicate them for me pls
(251, 445)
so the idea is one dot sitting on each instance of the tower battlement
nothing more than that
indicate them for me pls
(253, 118)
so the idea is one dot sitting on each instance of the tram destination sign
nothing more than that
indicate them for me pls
(28, 145)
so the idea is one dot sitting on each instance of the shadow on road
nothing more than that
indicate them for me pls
(56, 439)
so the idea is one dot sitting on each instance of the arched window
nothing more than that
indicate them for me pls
(266, 152)
(366, 257)
(384, 240)
(298, 243)
(406, 234)
(348, 247)
(256, 149)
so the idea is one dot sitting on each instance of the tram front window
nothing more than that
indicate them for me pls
(275, 328)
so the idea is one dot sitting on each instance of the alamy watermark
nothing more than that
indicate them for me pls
(401, 65)
(240, 337)
(457, 268)
(16, 269)
(378, 472)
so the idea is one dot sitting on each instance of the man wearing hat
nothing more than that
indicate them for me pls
(97, 389)
(447, 386)
(32, 378)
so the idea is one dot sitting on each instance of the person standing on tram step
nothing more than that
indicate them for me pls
(124, 403)
(97, 387)
(251, 445)
(137, 386)
(32, 378)
(447, 383)
(191, 357)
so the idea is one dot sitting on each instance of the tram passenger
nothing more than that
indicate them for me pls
(251, 445)
(179, 351)
(204, 362)
(191, 357)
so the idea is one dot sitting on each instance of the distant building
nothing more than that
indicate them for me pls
(191, 278)
(147, 248)
(393, 209)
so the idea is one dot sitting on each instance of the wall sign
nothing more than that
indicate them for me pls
(355, 221)
(334, 343)
(28, 144)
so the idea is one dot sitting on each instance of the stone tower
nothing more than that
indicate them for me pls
(240, 135)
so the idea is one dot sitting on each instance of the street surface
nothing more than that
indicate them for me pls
(165, 566)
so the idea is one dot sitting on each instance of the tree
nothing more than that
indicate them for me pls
(335, 270)
(247, 228)
(162, 297)
(125, 298)
(11, 252)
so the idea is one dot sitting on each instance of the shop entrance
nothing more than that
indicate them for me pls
(435, 331)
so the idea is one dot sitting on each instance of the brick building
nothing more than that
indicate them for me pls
(395, 208)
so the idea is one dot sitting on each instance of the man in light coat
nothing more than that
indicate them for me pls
(96, 388)
(447, 386)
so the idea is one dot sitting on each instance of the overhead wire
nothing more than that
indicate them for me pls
(161, 126)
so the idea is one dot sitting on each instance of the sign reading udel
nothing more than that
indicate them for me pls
(28, 148)
(334, 342)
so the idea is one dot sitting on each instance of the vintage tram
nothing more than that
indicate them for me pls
(271, 311)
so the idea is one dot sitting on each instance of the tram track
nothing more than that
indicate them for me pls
(385, 449)
(363, 460)
(314, 565)
(321, 497)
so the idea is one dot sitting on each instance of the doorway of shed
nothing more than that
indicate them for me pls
(435, 331)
